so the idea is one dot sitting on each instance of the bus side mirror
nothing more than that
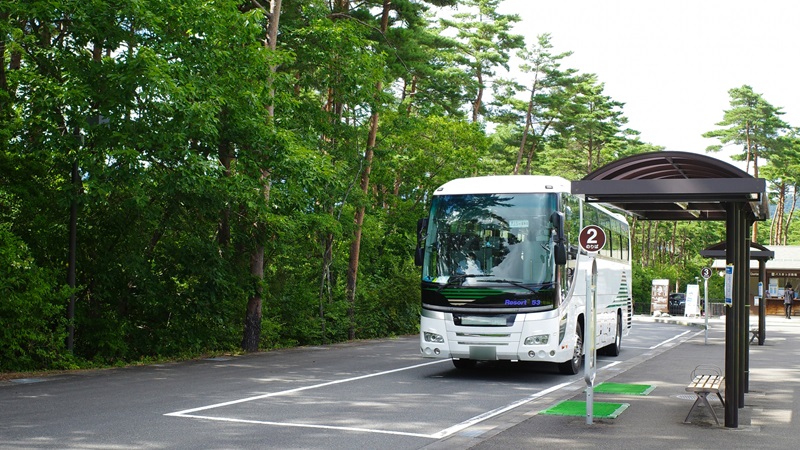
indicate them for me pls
(560, 254)
(419, 252)
(560, 249)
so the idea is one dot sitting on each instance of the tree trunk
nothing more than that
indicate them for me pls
(224, 228)
(252, 323)
(672, 242)
(355, 246)
(788, 220)
(772, 231)
(528, 124)
(476, 106)
(73, 250)
(3, 80)
(754, 235)
(325, 281)
(778, 219)
(749, 146)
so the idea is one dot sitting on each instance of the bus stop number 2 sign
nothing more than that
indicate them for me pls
(592, 238)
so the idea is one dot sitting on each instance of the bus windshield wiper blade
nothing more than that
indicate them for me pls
(511, 282)
(457, 280)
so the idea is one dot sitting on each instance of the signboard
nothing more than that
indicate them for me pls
(692, 300)
(729, 285)
(592, 238)
(658, 296)
(706, 272)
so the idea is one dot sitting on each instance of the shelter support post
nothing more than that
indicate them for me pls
(744, 309)
(762, 304)
(731, 346)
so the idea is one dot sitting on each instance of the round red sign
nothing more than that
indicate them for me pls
(592, 238)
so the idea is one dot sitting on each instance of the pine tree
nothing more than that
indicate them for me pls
(755, 125)
(486, 42)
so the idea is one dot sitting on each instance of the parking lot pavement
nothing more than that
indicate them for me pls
(769, 418)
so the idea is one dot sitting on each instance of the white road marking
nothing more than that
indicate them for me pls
(611, 364)
(438, 435)
(304, 388)
(496, 412)
(303, 425)
(188, 413)
(670, 340)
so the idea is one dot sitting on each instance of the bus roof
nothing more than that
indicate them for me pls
(504, 184)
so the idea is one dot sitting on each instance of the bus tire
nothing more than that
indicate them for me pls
(573, 366)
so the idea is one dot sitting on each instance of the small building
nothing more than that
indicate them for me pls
(783, 268)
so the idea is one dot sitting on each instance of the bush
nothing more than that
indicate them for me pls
(32, 311)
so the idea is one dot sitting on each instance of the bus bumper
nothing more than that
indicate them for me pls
(526, 340)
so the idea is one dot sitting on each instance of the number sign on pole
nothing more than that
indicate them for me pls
(592, 239)
(706, 273)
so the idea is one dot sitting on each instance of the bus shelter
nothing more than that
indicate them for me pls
(781, 269)
(673, 185)
(758, 253)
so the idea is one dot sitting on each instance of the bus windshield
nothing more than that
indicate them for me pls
(491, 238)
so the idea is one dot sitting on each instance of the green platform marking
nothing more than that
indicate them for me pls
(600, 410)
(625, 389)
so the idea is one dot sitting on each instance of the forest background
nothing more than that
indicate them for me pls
(183, 177)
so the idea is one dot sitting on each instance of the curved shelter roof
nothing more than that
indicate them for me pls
(672, 185)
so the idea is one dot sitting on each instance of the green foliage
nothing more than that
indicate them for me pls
(389, 300)
(32, 310)
(678, 275)
(485, 43)
(197, 145)
(752, 123)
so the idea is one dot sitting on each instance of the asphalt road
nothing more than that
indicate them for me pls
(370, 394)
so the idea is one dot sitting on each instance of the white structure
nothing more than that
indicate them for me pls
(503, 277)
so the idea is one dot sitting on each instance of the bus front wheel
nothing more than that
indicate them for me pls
(573, 366)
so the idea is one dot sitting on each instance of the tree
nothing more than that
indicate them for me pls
(253, 316)
(485, 43)
(405, 12)
(589, 130)
(250, 173)
(783, 172)
(754, 124)
(548, 94)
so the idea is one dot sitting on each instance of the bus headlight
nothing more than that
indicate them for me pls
(562, 328)
(433, 337)
(539, 339)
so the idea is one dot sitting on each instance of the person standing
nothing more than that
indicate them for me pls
(788, 298)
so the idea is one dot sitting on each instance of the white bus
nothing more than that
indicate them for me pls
(503, 277)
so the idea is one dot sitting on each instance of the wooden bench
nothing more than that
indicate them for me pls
(706, 380)
(753, 334)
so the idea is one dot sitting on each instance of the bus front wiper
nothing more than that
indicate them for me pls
(511, 282)
(456, 280)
